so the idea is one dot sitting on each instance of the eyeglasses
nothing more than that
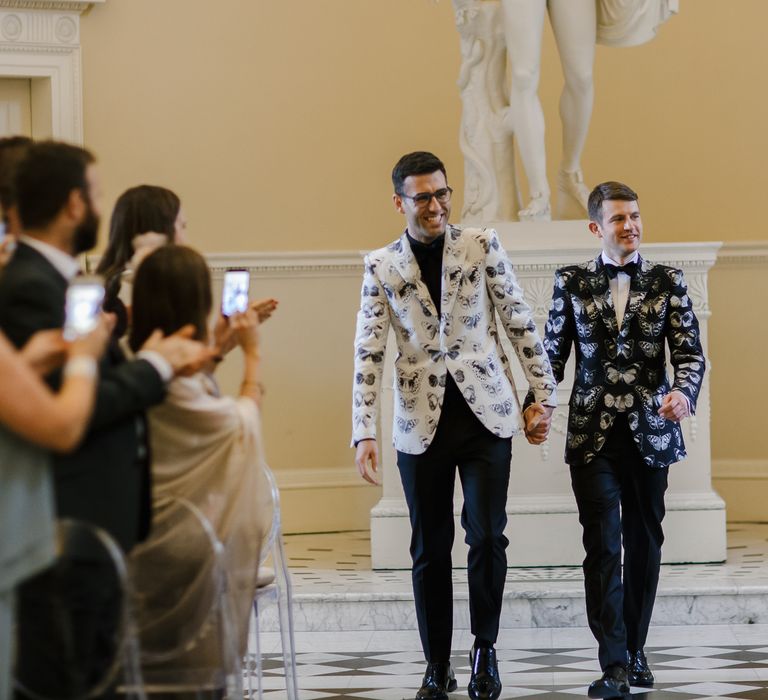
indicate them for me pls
(422, 199)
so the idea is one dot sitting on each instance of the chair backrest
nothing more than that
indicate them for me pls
(183, 618)
(74, 618)
(275, 529)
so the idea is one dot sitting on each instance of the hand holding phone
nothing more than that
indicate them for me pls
(85, 296)
(234, 298)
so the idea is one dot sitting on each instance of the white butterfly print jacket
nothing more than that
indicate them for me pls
(477, 281)
(624, 368)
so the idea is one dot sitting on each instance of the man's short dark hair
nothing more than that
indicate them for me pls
(13, 149)
(416, 163)
(45, 178)
(608, 190)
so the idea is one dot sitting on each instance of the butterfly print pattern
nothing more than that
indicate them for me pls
(624, 369)
(479, 290)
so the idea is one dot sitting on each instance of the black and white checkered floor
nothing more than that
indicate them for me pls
(690, 663)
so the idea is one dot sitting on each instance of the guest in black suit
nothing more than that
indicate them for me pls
(105, 481)
(619, 311)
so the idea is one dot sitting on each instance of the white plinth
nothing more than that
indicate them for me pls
(543, 527)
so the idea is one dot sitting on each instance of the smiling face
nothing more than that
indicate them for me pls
(619, 230)
(425, 223)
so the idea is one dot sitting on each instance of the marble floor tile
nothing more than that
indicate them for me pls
(362, 666)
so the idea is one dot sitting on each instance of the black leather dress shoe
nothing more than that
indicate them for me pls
(484, 683)
(639, 674)
(613, 684)
(438, 682)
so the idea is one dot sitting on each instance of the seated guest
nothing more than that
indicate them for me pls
(33, 418)
(144, 218)
(206, 448)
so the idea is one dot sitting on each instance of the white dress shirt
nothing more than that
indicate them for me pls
(619, 286)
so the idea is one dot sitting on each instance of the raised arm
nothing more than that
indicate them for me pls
(30, 409)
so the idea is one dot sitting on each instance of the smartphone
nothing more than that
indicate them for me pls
(234, 297)
(85, 296)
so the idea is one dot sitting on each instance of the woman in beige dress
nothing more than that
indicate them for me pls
(207, 449)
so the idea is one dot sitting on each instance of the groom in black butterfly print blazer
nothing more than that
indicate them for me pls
(619, 312)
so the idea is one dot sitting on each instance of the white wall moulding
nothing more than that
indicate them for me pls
(40, 40)
(47, 5)
(739, 253)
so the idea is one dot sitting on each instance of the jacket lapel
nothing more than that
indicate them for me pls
(408, 268)
(601, 293)
(454, 252)
(638, 289)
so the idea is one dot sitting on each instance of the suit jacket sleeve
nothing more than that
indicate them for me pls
(125, 389)
(370, 343)
(559, 330)
(30, 304)
(684, 340)
(517, 320)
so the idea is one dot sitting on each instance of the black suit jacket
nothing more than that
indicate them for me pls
(624, 367)
(106, 480)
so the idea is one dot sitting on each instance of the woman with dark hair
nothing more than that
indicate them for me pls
(206, 448)
(144, 218)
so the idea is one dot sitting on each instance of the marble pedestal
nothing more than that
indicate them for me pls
(543, 527)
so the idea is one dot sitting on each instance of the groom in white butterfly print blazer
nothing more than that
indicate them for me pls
(619, 312)
(439, 288)
(462, 339)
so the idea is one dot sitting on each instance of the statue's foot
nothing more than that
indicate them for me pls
(538, 208)
(572, 195)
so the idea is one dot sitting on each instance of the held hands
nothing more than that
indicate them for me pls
(186, 356)
(538, 421)
(674, 406)
(367, 461)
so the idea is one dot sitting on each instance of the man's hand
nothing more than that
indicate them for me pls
(674, 406)
(538, 421)
(94, 343)
(367, 461)
(186, 356)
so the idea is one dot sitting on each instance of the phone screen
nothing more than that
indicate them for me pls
(234, 298)
(83, 306)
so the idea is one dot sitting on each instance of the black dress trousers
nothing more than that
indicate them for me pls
(619, 496)
(483, 462)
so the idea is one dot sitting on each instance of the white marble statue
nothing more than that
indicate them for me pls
(499, 79)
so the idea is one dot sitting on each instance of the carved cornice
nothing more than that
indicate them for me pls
(56, 5)
(743, 253)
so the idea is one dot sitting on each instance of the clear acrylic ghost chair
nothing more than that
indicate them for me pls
(189, 643)
(277, 590)
(83, 605)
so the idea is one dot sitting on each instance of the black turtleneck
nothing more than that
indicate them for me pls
(429, 257)
(456, 416)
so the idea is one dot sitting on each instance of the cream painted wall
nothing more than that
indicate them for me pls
(278, 123)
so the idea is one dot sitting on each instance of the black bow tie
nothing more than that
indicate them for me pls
(628, 269)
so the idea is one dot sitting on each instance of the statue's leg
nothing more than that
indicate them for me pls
(574, 24)
(523, 28)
